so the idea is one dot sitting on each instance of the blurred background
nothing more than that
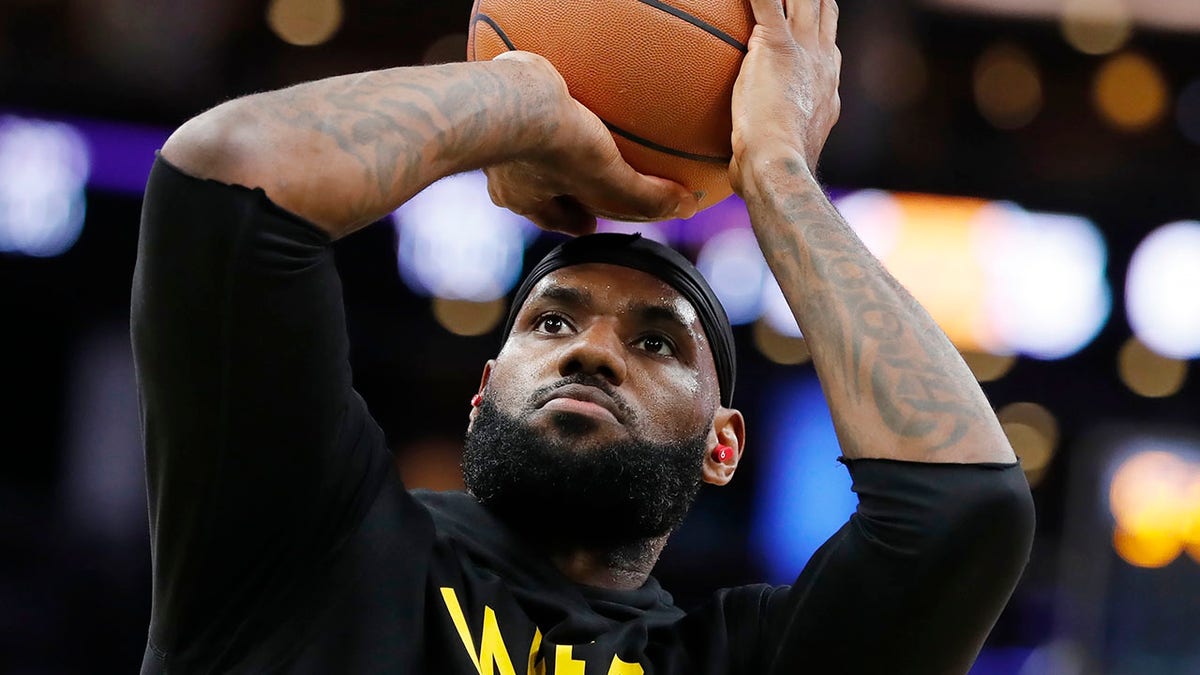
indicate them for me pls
(1029, 168)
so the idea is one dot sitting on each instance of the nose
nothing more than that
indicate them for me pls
(597, 351)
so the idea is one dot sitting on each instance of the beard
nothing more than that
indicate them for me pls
(613, 496)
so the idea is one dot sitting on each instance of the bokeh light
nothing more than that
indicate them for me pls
(1148, 373)
(1152, 498)
(44, 169)
(1033, 433)
(1161, 295)
(454, 243)
(1130, 92)
(732, 263)
(892, 72)
(463, 317)
(1048, 295)
(1096, 26)
(783, 349)
(1008, 87)
(305, 23)
(988, 367)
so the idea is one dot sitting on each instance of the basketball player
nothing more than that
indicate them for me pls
(284, 542)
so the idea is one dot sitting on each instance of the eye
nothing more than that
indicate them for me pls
(551, 324)
(656, 344)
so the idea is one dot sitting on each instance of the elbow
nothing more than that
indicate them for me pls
(998, 516)
(215, 144)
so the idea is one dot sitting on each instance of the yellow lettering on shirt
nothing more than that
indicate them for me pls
(619, 667)
(537, 666)
(565, 664)
(493, 655)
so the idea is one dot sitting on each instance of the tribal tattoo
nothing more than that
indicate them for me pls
(879, 354)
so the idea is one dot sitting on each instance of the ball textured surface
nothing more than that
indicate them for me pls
(660, 73)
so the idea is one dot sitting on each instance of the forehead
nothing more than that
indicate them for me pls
(616, 289)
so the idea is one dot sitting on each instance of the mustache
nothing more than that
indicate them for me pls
(619, 401)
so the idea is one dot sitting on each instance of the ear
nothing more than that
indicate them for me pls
(729, 428)
(483, 382)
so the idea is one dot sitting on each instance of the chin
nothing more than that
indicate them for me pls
(575, 427)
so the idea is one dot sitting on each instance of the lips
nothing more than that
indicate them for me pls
(585, 394)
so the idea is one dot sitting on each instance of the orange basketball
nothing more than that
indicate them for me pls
(660, 73)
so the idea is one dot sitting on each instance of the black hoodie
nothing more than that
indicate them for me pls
(283, 541)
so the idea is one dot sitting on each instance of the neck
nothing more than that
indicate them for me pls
(621, 568)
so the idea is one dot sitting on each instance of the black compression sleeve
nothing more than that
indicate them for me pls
(260, 456)
(914, 581)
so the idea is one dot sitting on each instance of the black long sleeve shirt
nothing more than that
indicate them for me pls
(283, 540)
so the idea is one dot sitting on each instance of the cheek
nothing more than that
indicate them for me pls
(676, 405)
(515, 375)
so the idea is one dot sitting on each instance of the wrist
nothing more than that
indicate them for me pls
(506, 111)
(762, 173)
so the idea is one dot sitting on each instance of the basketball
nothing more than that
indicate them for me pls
(659, 74)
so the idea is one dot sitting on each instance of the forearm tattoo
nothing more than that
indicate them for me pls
(866, 332)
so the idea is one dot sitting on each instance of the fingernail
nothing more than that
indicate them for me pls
(684, 211)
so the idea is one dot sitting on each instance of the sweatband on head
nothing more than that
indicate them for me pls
(663, 262)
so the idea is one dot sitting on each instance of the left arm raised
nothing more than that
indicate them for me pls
(896, 386)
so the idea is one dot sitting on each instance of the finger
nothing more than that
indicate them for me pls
(562, 214)
(573, 218)
(829, 21)
(648, 198)
(767, 12)
(805, 16)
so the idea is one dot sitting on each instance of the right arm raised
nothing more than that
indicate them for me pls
(345, 151)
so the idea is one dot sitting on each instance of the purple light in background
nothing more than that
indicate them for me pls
(121, 154)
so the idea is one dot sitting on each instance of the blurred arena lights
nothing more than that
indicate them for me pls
(1096, 26)
(454, 243)
(1033, 433)
(1047, 293)
(1148, 373)
(783, 349)
(305, 23)
(891, 71)
(804, 494)
(1008, 87)
(1161, 290)
(463, 317)
(1130, 93)
(1154, 498)
(987, 367)
(44, 168)
(733, 264)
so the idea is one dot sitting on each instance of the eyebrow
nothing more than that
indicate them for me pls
(567, 295)
(652, 313)
(645, 312)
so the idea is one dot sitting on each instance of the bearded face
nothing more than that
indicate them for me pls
(598, 414)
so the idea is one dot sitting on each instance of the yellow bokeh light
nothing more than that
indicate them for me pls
(1146, 550)
(782, 349)
(934, 247)
(988, 367)
(1033, 433)
(1096, 26)
(1155, 499)
(1148, 373)
(305, 22)
(1130, 92)
(463, 317)
(1008, 88)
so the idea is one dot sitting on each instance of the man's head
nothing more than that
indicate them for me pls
(612, 387)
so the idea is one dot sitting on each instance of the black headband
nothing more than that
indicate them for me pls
(651, 257)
